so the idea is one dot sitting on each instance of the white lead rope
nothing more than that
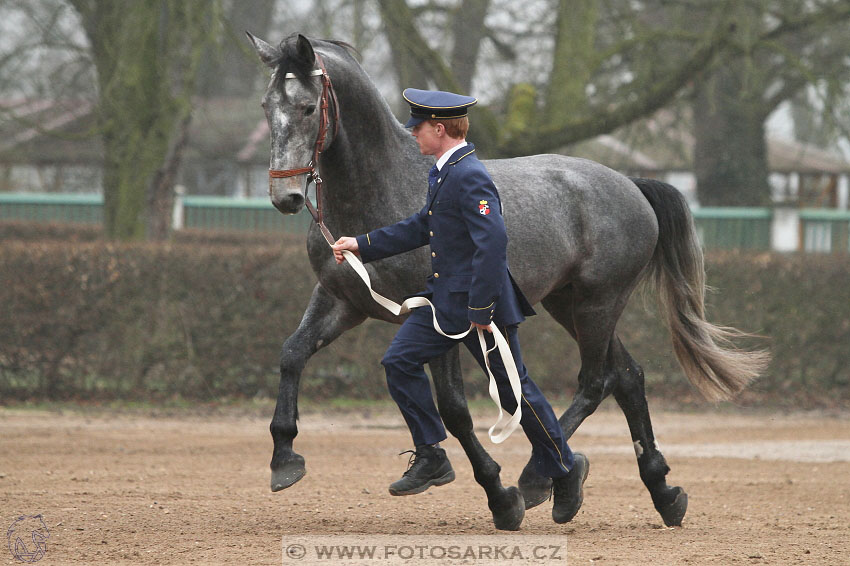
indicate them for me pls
(506, 423)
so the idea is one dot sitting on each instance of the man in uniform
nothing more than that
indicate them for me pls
(470, 284)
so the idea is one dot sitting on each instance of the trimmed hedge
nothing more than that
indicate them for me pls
(204, 317)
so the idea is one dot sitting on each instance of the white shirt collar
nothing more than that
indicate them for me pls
(445, 157)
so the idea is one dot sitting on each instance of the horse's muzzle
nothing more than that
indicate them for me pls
(287, 194)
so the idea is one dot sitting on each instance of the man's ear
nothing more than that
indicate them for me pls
(440, 128)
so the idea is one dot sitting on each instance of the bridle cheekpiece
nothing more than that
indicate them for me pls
(328, 97)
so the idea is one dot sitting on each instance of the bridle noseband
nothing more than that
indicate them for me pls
(328, 98)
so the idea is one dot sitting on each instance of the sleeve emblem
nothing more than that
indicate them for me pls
(483, 208)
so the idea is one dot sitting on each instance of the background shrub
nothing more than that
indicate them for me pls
(203, 317)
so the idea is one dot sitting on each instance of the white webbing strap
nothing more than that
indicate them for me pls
(506, 422)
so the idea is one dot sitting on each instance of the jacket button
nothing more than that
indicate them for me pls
(433, 254)
(430, 213)
(431, 233)
(436, 275)
(491, 312)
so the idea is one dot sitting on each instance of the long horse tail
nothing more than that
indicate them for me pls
(714, 365)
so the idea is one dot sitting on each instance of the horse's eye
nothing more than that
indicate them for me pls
(310, 109)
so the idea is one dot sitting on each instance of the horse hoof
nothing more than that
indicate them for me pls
(535, 488)
(673, 513)
(287, 474)
(510, 511)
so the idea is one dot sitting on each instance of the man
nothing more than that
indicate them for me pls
(470, 284)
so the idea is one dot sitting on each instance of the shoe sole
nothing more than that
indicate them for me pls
(448, 477)
(561, 521)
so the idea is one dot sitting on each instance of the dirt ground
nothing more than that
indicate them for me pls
(117, 488)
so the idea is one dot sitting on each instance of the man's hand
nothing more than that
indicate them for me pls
(345, 243)
(482, 327)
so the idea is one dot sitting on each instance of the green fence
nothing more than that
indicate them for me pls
(220, 213)
(718, 228)
(254, 214)
(78, 209)
(733, 228)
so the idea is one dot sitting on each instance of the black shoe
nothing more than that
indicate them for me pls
(428, 466)
(569, 490)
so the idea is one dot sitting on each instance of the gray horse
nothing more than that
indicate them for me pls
(581, 238)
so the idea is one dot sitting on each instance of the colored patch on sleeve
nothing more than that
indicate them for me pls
(483, 208)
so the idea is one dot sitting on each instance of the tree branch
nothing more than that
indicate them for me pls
(837, 11)
(603, 120)
(401, 29)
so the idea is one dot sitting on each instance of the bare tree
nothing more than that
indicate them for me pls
(777, 51)
(146, 55)
(609, 62)
(573, 106)
(229, 67)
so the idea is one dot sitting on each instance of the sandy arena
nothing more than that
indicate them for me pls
(185, 488)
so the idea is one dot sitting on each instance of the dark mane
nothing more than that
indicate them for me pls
(347, 46)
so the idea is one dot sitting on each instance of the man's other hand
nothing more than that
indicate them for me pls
(345, 243)
(482, 327)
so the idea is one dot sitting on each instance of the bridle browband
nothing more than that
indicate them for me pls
(328, 98)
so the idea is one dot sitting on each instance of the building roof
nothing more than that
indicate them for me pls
(48, 131)
(789, 156)
(65, 132)
(661, 144)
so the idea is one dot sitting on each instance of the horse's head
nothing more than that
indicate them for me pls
(292, 104)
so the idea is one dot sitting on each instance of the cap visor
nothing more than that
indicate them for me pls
(414, 121)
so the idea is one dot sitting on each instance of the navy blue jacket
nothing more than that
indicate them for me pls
(462, 222)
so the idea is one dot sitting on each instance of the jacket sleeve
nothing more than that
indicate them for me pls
(481, 210)
(403, 236)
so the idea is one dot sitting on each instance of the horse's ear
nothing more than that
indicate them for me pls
(305, 50)
(269, 55)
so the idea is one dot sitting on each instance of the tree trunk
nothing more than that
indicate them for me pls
(468, 31)
(146, 55)
(161, 189)
(573, 61)
(730, 150)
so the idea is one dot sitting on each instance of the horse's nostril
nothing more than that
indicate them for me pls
(289, 204)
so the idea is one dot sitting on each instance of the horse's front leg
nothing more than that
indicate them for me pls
(324, 320)
(506, 504)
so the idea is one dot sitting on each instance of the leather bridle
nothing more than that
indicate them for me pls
(328, 98)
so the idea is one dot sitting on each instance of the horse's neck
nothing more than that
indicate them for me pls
(373, 174)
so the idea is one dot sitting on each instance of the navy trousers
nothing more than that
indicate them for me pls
(417, 342)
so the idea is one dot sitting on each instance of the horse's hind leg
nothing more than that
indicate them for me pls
(590, 320)
(671, 502)
(506, 504)
(324, 320)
